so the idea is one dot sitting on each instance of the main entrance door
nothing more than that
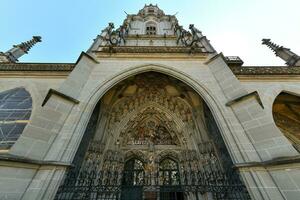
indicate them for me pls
(165, 183)
(169, 180)
(133, 180)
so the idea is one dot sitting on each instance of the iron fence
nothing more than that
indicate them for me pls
(110, 185)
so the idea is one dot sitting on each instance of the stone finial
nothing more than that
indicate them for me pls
(285, 54)
(26, 46)
(19, 50)
(270, 44)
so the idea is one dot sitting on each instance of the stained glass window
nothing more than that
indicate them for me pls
(15, 111)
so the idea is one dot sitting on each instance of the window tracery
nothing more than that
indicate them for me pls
(15, 111)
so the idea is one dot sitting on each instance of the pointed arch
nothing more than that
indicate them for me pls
(15, 111)
(209, 98)
(286, 115)
(167, 154)
(99, 90)
(136, 154)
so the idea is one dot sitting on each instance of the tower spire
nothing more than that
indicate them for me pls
(285, 54)
(19, 50)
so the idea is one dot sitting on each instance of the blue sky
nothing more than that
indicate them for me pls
(234, 27)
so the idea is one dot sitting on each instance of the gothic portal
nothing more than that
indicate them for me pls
(152, 137)
(149, 112)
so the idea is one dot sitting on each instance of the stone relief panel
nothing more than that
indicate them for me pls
(149, 90)
(150, 127)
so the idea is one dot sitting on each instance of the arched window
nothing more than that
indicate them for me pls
(150, 28)
(169, 180)
(15, 111)
(133, 172)
(286, 113)
(168, 172)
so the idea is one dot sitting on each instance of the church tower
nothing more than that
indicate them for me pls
(151, 31)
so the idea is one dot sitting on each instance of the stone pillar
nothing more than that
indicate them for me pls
(269, 143)
(33, 167)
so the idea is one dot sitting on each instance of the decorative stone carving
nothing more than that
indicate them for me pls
(149, 127)
(114, 37)
(165, 154)
(150, 103)
(187, 38)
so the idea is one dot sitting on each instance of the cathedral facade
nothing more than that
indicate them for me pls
(150, 111)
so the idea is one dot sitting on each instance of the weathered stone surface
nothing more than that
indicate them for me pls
(246, 124)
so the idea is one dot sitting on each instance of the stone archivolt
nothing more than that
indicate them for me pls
(150, 117)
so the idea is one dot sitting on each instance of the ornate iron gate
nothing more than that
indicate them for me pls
(108, 185)
(168, 183)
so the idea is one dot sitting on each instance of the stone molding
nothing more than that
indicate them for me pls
(265, 70)
(270, 163)
(24, 160)
(37, 66)
(68, 67)
(64, 96)
(241, 98)
(89, 56)
(150, 49)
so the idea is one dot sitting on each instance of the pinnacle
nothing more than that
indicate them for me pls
(270, 44)
(26, 46)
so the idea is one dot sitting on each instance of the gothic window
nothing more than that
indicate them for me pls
(15, 111)
(168, 172)
(151, 10)
(286, 114)
(150, 29)
(133, 172)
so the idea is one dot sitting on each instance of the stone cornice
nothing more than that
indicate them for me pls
(37, 66)
(148, 37)
(150, 49)
(68, 67)
(265, 70)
